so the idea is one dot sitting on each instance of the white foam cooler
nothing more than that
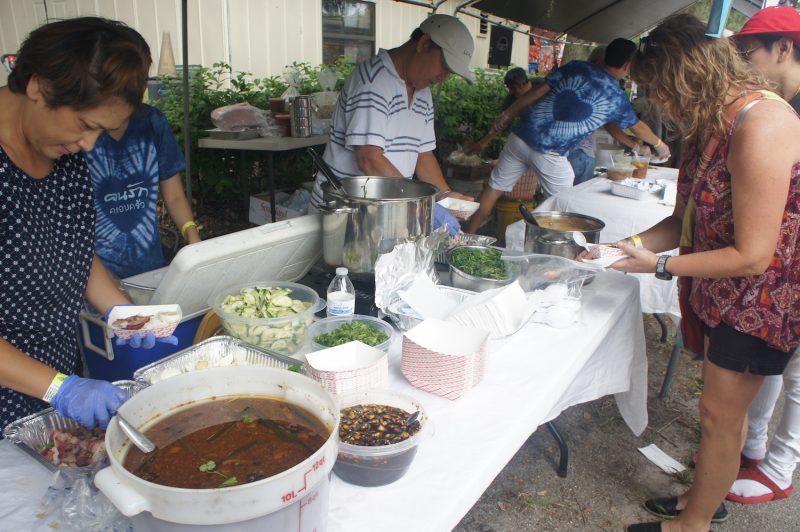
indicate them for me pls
(282, 251)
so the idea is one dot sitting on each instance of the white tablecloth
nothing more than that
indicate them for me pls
(530, 379)
(623, 217)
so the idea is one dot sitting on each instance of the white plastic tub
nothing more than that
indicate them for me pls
(291, 500)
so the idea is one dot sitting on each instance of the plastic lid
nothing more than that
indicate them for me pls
(341, 270)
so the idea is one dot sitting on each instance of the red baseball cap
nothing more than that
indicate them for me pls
(783, 20)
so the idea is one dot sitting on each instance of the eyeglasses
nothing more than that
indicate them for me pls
(745, 54)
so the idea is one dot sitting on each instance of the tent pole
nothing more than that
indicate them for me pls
(187, 137)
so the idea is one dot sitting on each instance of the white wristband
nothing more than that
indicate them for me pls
(58, 380)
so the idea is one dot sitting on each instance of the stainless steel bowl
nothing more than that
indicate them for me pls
(461, 279)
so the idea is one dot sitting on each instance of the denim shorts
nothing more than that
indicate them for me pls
(741, 352)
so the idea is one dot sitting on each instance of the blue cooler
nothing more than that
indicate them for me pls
(281, 251)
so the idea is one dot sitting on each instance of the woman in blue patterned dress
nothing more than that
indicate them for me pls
(73, 80)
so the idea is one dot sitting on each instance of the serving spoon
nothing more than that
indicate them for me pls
(580, 239)
(141, 441)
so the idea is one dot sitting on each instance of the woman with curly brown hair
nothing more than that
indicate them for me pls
(738, 213)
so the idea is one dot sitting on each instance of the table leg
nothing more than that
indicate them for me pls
(562, 449)
(664, 329)
(244, 183)
(271, 178)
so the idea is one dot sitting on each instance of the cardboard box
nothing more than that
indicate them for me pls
(261, 214)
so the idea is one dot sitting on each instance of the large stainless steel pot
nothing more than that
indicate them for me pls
(558, 241)
(370, 216)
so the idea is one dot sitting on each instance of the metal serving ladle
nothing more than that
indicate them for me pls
(330, 176)
(141, 441)
(527, 215)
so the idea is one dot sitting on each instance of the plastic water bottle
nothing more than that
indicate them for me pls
(341, 295)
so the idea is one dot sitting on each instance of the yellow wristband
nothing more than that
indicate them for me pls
(58, 380)
(188, 225)
(637, 241)
(657, 144)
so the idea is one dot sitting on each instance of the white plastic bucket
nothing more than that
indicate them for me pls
(277, 501)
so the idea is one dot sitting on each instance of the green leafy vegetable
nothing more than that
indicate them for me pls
(208, 467)
(479, 262)
(355, 330)
(297, 368)
(247, 419)
(230, 481)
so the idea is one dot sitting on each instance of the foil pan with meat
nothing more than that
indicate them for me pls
(59, 443)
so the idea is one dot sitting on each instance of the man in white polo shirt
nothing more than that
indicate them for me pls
(383, 123)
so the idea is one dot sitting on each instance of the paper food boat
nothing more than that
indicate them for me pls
(162, 320)
(349, 368)
(444, 358)
(460, 209)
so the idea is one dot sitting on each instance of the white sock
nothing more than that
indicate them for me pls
(753, 488)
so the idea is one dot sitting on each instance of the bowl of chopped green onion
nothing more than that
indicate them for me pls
(338, 330)
(478, 268)
(270, 314)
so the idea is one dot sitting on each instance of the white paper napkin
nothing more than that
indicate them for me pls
(425, 298)
(662, 459)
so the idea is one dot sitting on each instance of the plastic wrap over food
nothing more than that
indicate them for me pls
(242, 116)
(396, 270)
(539, 271)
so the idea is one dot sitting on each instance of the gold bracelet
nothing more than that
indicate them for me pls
(637, 241)
(58, 380)
(188, 225)
(657, 144)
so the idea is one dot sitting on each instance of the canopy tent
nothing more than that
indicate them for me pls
(592, 20)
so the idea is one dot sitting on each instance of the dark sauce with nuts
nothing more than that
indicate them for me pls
(373, 426)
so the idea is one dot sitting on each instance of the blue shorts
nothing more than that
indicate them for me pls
(583, 165)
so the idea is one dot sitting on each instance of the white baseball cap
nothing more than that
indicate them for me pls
(453, 37)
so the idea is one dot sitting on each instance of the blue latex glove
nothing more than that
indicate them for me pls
(442, 216)
(90, 402)
(147, 341)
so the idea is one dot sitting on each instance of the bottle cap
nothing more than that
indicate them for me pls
(341, 270)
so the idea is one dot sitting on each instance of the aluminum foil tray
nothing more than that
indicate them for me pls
(215, 352)
(405, 318)
(31, 433)
(463, 239)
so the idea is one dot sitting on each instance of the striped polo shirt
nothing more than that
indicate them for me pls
(373, 110)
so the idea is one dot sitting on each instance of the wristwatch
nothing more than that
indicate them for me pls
(661, 269)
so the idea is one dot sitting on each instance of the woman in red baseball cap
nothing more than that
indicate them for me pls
(770, 41)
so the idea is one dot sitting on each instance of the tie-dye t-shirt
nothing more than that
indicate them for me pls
(126, 176)
(582, 98)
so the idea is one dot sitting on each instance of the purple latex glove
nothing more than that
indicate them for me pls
(442, 216)
(146, 342)
(90, 402)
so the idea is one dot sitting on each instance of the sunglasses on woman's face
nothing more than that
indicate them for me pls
(645, 45)
(745, 53)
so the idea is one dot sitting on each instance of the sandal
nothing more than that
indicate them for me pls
(667, 508)
(757, 475)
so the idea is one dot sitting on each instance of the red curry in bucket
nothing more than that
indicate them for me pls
(228, 442)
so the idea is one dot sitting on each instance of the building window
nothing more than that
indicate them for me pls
(484, 25)
(348, 30)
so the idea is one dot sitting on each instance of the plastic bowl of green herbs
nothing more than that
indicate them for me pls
(338, 330)
(477, 268)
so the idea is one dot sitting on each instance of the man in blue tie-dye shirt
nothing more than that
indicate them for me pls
(577, 99)
(129, 167)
